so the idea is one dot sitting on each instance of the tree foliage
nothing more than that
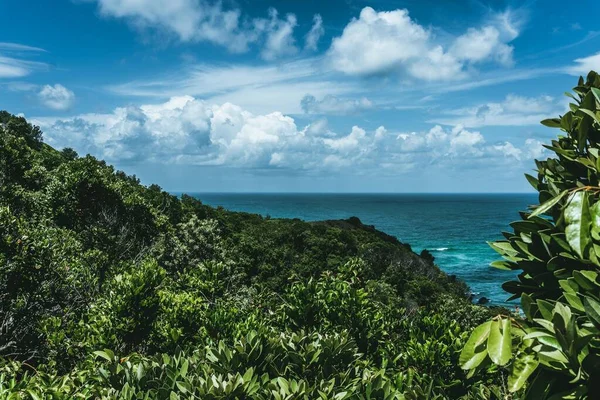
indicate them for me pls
(111, 289)
(553, 351)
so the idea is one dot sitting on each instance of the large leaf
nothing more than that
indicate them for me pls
(551, 123)
(596, 93)
(595, 211)
(500, 341)
(106, 354)
(523, 367)
(578, 220)
(548, 204)
(469, 356)
(532, 181)
(595, 117)
(592, 309)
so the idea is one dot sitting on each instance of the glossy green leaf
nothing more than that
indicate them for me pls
(596, 93)
(574, 301)
(592, 309)
(522, 368)
(594, 116)
(545, 308)
(578, 223)
(469, 357)
(595, 230)
(106, 354)
(586, 279)
(548, 204)
(503, 265)
(503, 247)
(526, 303)
(33, 395)
(551, 122)
(534, 182)
(500, 341)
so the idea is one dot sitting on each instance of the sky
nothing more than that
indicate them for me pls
(300, 96)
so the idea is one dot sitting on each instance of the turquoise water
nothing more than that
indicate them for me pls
(454, 227)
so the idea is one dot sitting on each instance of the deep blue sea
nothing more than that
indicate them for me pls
(454, 227)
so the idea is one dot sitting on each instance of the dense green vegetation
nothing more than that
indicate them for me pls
(554, 351)
(114, 290)
(110, 289)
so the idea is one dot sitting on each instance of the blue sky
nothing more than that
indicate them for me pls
(325, 96)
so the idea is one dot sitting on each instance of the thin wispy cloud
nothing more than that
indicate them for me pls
(14, 62)
(20, 47)
(265, 88)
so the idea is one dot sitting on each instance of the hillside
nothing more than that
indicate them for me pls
(111, 289)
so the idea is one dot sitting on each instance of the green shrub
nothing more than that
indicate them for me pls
(554, 350)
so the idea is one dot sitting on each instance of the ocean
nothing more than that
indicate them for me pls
(455, 228)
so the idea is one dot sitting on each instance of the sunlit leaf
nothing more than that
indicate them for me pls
(548, 204)
(578, 222)
(500, 341)
(522, 368)
(469, 357)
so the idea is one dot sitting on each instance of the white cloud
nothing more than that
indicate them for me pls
(13, 62)
(384, 42)
(11, 68)
(202, 20)
(514, 110)
(456, 148)
(279, 36)
(377, 42)
(260, 89)
(56, 97)
(349, 143)
(188, 19)
(509, 150)
(436, 65)
(333, 105)
(482, 44)
(315, 34)
(20, 47)
(188, 131)
(534, 149)
(584, 65)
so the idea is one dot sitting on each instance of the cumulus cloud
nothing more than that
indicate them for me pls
(514, 110)
(210, 21)
(56, 97)
(188, 131)
(391, 41)
(482, 44)
(349, 143)
(452, 147)
(333, 105)
(377, 42)
(315, 33)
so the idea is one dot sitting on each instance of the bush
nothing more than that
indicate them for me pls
(553, 351)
